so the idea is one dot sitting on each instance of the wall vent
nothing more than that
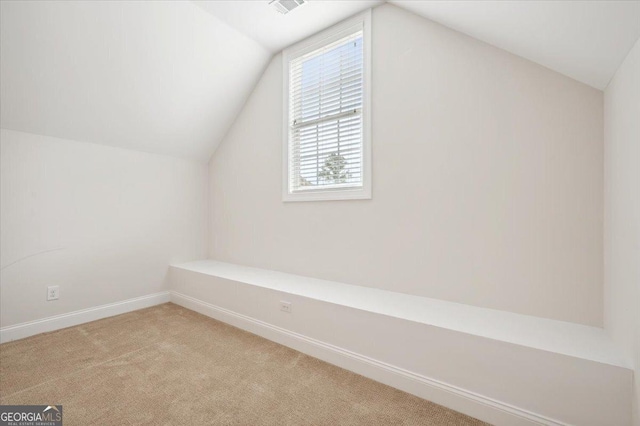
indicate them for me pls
(286, 6)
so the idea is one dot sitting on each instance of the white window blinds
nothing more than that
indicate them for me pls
(326, 116)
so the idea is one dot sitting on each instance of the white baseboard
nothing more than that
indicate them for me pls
(26, 329)
(464, 401)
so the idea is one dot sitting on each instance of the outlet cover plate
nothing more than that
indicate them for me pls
(53, 292)
(285, 306)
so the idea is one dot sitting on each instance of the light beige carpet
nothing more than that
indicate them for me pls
(167, 365)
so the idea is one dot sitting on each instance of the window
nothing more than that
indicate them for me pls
(327, 137)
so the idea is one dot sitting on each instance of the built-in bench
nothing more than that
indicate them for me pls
(501, 367)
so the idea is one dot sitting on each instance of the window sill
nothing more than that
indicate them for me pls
(329, 195)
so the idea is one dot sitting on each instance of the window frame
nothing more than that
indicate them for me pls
(361, 20)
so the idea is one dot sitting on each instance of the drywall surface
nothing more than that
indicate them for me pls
(622, 212)
(487, 181)
(102, 223)
(154, 76)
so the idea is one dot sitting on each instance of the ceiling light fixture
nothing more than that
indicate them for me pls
(286, 6)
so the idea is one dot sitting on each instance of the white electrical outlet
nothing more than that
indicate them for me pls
(285, 306)
(53, 292)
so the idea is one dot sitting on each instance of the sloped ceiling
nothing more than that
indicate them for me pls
(161, 77)
(169, 77)
(585, 40)
(275, 31)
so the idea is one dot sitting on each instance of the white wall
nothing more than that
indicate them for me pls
(487, 181)
(622, 212)
(103, 223)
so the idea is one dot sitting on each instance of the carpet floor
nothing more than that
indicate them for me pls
(167, 365)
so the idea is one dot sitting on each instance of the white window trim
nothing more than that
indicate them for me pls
(314, 42)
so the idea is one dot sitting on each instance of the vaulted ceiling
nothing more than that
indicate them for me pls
(170, 77)
(275, 31)
(162, 77)
(585, 40)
